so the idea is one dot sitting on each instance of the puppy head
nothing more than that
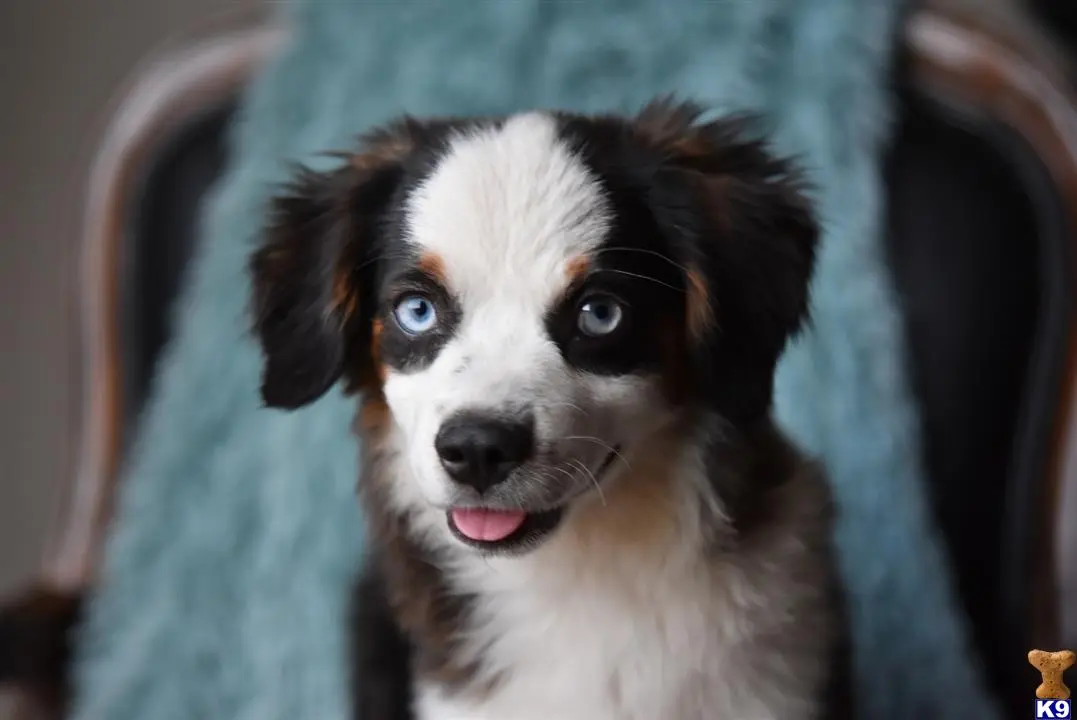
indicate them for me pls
(532, 297)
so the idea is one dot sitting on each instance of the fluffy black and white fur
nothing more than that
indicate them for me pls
(573, 320)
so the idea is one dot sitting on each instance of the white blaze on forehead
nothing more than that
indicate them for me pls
(506, 208)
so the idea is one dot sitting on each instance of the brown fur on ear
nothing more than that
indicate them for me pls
(698, 307)
(389, 143)
(312, 277)
(345, 300)
(375, 351)
(671, 125)
(747, 234)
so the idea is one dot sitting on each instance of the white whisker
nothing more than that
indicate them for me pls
(594, 480)
(601, 442)
(645, 251)
(574, 406)
(641, 277)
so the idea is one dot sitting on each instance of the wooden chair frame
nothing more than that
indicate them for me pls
(201, 75)
(1016, 81)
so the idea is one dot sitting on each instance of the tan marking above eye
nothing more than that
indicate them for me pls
(576, 268)
(699, 307)
(432, 265)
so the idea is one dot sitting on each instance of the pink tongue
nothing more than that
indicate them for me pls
(488, 525)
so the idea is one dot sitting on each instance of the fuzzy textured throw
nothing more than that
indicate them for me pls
(225, 584)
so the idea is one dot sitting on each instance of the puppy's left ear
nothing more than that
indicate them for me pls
(748, 238)
(313, 278)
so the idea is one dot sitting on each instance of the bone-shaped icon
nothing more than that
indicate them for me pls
(1051, 666)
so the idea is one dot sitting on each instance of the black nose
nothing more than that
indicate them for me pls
(481, 450)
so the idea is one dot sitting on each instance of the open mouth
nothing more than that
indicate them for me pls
(511, 530)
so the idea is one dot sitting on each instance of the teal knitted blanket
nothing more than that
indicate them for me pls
(225, 583)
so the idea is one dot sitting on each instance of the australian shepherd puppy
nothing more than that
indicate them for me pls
(564, 330)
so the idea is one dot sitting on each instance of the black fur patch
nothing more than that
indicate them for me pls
(313, 281)
(381, 653)
(707, 198)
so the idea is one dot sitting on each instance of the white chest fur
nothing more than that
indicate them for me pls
(626, 615)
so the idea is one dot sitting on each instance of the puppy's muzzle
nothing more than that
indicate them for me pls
(480, 449)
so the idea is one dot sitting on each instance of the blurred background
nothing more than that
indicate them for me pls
(65, 66)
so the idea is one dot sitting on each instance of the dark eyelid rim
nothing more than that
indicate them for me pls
(586, 287)
(590, 294)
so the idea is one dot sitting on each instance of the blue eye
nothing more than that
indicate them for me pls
(599, 315)
(415, 314)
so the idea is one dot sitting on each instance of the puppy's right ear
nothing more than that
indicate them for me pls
(313, 278)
